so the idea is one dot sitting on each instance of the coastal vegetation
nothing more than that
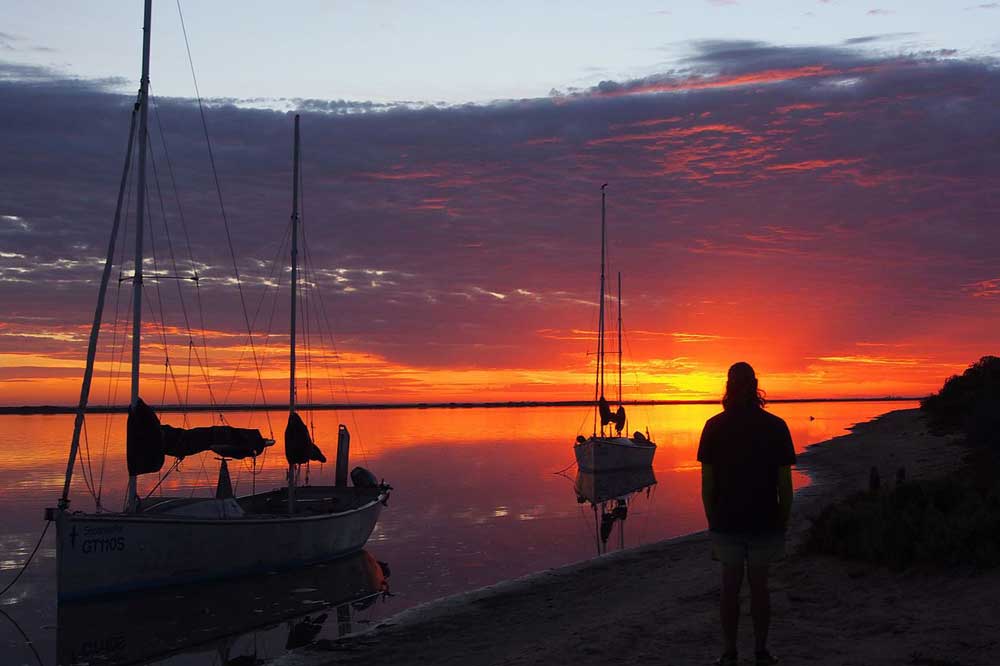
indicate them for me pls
(952, 520)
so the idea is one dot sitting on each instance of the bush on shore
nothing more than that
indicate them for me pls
(969, 403)
(947, 521)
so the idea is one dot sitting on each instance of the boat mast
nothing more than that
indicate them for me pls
(95, 329)
(139, 222)
(295, 287)
(619, 339)
(600, 324)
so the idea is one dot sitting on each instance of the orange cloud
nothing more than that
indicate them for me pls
(812, 165)
(763, 77)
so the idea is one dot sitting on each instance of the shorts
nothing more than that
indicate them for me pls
(734, 548)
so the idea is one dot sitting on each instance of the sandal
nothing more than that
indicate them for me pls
(728, 659)
(765, 658)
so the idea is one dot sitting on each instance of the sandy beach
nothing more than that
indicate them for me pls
(658, 604)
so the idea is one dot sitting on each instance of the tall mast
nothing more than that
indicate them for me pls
(599, 377)
(139, 222)
(604, 237)
(295, 265)
(295, 291)
(95, 329)
(619, 338)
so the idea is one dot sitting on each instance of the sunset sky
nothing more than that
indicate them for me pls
(813, 187)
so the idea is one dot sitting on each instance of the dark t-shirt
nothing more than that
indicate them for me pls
(746, 447)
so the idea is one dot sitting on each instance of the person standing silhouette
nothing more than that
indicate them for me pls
(746, 454)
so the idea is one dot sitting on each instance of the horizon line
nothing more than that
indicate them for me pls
(121, 409)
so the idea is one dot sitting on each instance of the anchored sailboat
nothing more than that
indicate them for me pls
(604, 451)
(170, 540)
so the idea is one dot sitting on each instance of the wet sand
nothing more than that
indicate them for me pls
(658, 604)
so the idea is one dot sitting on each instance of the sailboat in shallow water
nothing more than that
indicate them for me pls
(604, 451)
(170, 540)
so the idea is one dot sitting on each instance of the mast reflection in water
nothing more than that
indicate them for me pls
(242, 621)
(609, 495)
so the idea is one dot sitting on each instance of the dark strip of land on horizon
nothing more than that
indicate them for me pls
(121, 409)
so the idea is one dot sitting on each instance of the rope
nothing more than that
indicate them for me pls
(560, 472)
(26, 562)
(27, 641)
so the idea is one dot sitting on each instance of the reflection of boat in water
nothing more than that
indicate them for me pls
(245, 621)
(604, 451)
(609, 494)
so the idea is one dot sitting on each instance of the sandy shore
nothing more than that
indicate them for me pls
(658, 604)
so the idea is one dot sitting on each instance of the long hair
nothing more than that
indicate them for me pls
(741, 388)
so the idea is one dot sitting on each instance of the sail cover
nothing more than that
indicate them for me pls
(299, 447)
(148, 441)
(143, 440)
(226, 441)
(607, 416)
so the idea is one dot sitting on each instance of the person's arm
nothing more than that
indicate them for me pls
(707, 489)
(785, 493)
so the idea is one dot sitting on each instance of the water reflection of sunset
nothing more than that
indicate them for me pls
(478, 448)
(476, 497)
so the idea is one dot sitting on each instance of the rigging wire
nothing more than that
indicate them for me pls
(268, 289)
(308, 285)
(270, 327)
(173, 261)
(190, 251)
(85, 471)
(168, 367)
(635, 374)
(170, 372)
(225, 217)
(307, 260)
(310, 268)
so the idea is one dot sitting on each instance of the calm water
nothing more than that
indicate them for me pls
(477, 500)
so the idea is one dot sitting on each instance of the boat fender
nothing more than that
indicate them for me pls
(580, 439)
(362, 478)
(639, 437)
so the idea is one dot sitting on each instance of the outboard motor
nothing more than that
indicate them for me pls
(362, 478)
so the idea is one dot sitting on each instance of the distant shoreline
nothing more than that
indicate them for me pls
(121, 409)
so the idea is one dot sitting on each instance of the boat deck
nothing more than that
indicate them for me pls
(309, 500)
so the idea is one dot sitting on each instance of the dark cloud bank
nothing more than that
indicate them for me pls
(763, 186)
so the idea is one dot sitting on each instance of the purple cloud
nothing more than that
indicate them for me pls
(852, 191)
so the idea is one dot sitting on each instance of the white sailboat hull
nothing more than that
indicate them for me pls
(602, 454)
(99, 554)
